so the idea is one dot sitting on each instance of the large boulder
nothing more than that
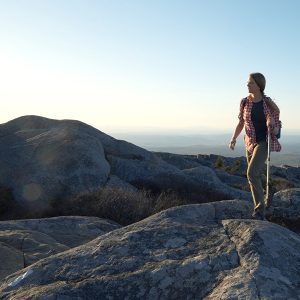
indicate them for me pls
(43, 159)
(24, 242)
(187, 252)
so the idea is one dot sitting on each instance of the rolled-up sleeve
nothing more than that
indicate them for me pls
(275, 115)
(241, 112)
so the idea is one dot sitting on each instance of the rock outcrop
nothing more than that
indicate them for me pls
(208, 251)
(291, 174)
(24, 242)
(285, 209)
(43, 160)
(216, 176)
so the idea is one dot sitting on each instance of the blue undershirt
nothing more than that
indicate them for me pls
(259, 121)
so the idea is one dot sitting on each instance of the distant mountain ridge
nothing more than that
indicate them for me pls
(192, 144)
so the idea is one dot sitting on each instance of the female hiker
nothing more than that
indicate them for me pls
(258, 114)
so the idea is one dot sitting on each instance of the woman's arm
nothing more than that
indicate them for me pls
(273, 120)
(273, 123)
(237, 132)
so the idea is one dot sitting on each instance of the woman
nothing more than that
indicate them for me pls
(259, 114)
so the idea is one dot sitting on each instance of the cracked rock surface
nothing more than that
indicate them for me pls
(24, 242)
(201, 251)
(286, 204)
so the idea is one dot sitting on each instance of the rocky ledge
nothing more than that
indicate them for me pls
(24, 242)
(201, 251)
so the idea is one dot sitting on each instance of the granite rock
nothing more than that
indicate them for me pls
(188, 252)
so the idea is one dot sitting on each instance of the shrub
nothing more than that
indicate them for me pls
(236, 166)
(10, 209)
(7, 202)
(122, 206)
(219, 164)
(167, 200)
(119, 205)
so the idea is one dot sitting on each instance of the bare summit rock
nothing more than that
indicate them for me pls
(42, 159)
(24, 242)
(187, 252)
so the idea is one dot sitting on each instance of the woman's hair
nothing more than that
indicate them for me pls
(260, 80)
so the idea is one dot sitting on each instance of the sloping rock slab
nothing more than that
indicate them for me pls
(180, 161)
(232, 180)
(292, 174)
(207, 177)
(285, 207)
(187, 252)
(24, 242)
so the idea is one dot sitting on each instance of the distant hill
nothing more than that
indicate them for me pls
(212, 144)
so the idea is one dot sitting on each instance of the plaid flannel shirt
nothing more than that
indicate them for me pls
(250, 136)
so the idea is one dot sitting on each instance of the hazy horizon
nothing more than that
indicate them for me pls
(217, 144)
(150, 131)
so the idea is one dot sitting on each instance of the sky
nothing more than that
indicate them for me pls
(165, 66)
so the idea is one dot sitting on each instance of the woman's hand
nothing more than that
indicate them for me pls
(270, 122)
(232, 144)
(271, 125)
(236, 133)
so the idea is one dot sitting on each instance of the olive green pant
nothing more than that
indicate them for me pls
(256, 163)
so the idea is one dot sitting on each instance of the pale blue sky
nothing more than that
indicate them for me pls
(144, 66)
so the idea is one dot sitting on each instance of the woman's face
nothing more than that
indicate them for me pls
(252, 86)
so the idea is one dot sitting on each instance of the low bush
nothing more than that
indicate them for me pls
(122, 206)
(219, 163)
(7, 202)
